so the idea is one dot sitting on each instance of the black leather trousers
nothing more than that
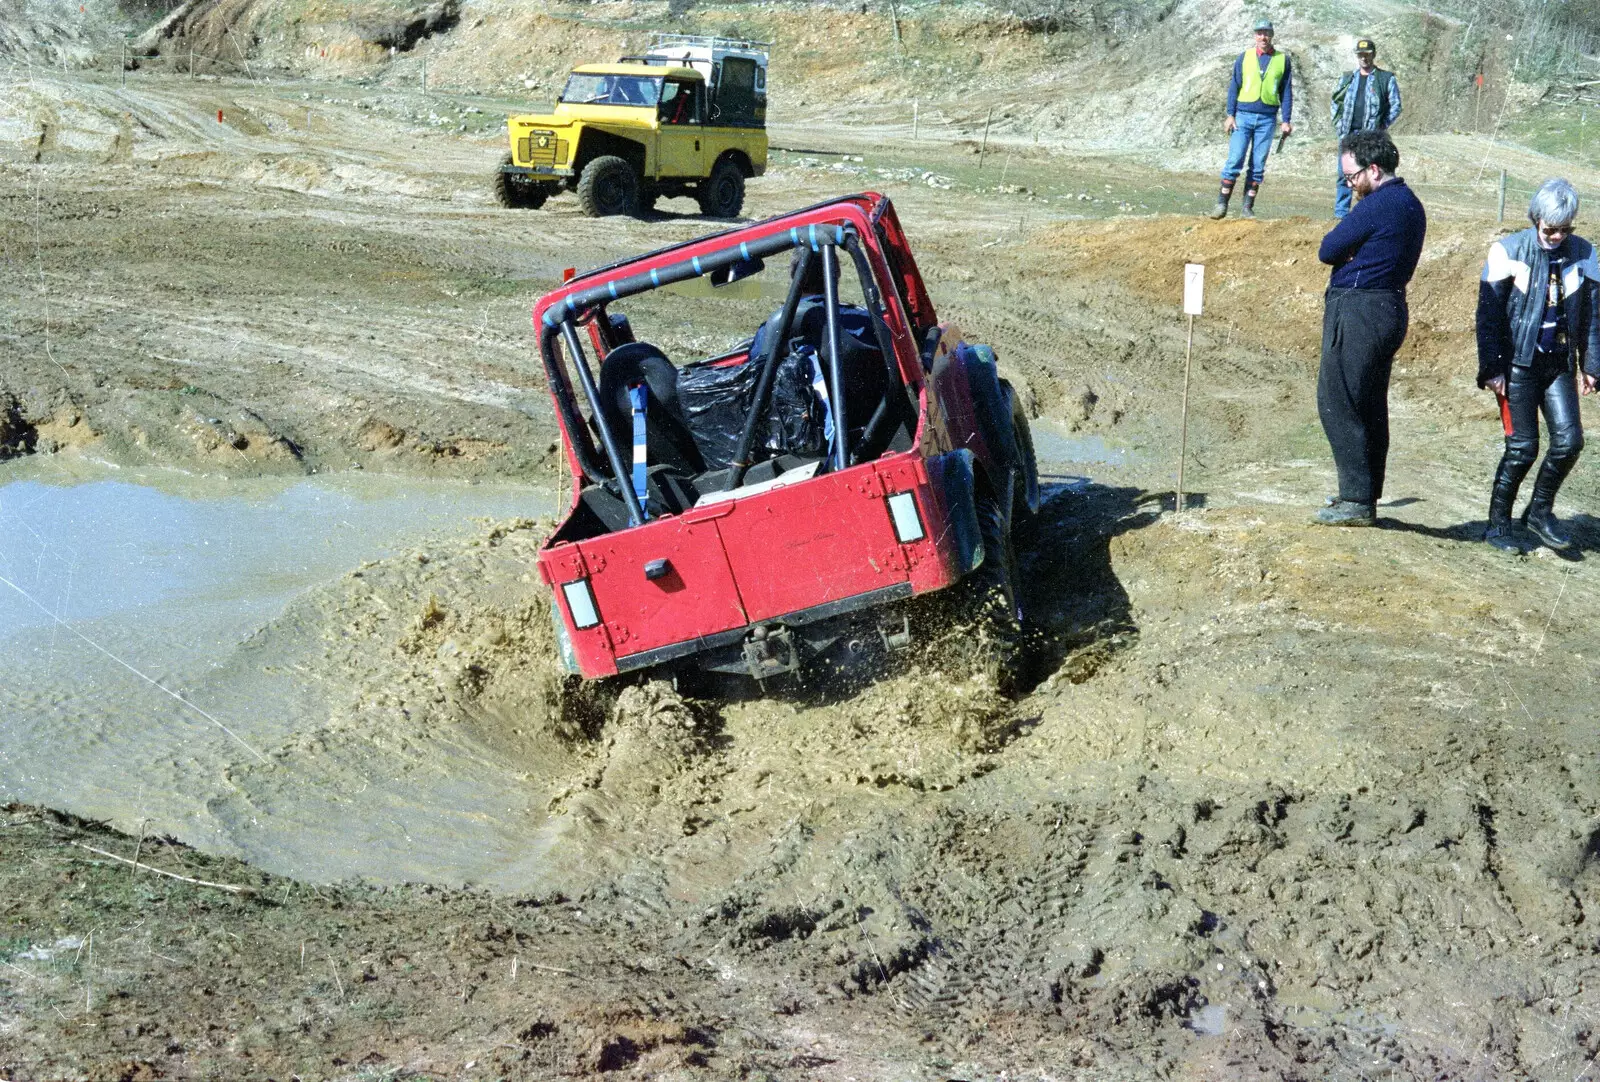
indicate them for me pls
(1545, 386)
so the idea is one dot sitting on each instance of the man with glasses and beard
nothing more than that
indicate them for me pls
(1373, 252)
(1536, 323)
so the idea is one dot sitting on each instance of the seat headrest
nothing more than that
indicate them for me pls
(639, 362)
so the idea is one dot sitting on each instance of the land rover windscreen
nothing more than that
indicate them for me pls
(584, 88)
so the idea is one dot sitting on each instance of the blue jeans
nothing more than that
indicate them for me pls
(1341, 191)
(1253, 131)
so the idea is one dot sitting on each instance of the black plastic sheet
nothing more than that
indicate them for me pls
(715, 401)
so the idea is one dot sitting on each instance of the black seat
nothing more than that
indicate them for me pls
(668, 441)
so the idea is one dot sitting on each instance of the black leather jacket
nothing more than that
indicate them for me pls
(1511, 303)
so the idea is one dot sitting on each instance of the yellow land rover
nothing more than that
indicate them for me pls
(688, 117)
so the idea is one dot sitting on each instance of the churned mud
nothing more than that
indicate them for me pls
(1272, 801)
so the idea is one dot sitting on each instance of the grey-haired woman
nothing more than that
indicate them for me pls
(1537, 321)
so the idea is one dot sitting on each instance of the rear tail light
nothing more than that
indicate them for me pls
(907, 522)
(580, 603)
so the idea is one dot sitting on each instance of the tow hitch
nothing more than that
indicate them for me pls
(770, 652)
(895, 633)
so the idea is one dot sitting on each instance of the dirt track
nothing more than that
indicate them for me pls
(1286, 803)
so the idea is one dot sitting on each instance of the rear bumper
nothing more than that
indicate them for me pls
(817, 613)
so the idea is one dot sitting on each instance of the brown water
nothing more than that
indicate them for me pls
(137, 680)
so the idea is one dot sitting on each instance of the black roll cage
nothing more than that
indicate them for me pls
(562, 319)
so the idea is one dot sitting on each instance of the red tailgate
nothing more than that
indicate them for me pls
(810, 543)
(694, 598)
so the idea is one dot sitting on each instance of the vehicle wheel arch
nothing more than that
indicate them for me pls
(739, 158)
(992, 413)
(955, 477)
(594, 143)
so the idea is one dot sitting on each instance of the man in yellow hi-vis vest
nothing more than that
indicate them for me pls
(1262, 84)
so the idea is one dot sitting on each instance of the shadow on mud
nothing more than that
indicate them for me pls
(1076, 610)
(662, 214)
(1584, 530)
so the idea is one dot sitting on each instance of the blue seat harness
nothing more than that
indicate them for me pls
(819, 387)
(638, 398)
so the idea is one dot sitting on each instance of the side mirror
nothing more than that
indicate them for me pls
(733, 272)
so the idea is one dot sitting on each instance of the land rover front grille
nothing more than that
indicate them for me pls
(541, 148)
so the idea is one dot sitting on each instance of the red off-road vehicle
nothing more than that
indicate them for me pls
(773, 442)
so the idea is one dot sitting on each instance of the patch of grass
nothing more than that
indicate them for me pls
(386, 1010)
(1562, 131)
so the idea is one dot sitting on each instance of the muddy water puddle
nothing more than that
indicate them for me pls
(1054, 446)
(135, 685)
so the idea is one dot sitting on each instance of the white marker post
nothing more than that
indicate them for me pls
(1194, 284)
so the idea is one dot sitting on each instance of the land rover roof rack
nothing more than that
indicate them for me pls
(659, 39)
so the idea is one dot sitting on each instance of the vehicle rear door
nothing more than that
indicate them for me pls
(811, 543)
(735, 102)
(692, 594)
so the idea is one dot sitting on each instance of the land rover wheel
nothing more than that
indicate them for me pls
(608, 186)
(516, 191)
(721, 194)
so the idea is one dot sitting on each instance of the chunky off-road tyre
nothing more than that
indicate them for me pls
(1025, 472)
(518, 192)
(721, 194)
(996, 577)
(984, 636)
(608, 186)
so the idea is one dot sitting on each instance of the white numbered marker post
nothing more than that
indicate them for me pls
(1194, 284)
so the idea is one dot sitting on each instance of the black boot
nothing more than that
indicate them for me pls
(1250, 191)
(1540, 516)
(1225, 194)
(1507, 479)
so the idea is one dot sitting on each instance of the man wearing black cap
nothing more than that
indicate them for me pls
(1366, 99)
(1261, 84)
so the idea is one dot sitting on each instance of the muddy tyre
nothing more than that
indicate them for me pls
(518, 192)
(1025, 470)
(608, 186)
(985, 632)
(721, 195)
(995, 579)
